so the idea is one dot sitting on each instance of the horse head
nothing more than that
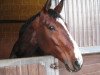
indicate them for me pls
(54, 38)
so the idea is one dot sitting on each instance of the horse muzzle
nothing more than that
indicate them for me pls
(76, 66)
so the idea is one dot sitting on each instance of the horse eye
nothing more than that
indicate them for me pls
(52, 28)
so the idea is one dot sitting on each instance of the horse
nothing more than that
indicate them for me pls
(46, 33)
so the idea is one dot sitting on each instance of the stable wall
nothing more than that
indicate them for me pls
(16, 10)
(19, 9)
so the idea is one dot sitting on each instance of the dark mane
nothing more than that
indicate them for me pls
(28, 22)
(53, 13)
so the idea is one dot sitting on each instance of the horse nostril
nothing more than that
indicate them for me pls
(77, 65)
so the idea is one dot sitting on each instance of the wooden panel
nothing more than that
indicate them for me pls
(2, 71)
(10, 70)
(33, 69)
(28, 66)
(8, 36)
(19, 9)
(41, 70)
(24, 70)
(18, 70)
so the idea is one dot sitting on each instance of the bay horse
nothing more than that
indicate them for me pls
(47, 34)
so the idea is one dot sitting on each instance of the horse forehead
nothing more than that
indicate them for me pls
(62, 23)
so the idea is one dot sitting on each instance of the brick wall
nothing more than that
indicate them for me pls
(14, 10)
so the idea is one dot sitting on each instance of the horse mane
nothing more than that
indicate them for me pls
(27, 23)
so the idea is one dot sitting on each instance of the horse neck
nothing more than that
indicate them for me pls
(36, 24)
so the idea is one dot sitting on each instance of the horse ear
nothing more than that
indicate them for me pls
(59, 7)
(47, 5)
